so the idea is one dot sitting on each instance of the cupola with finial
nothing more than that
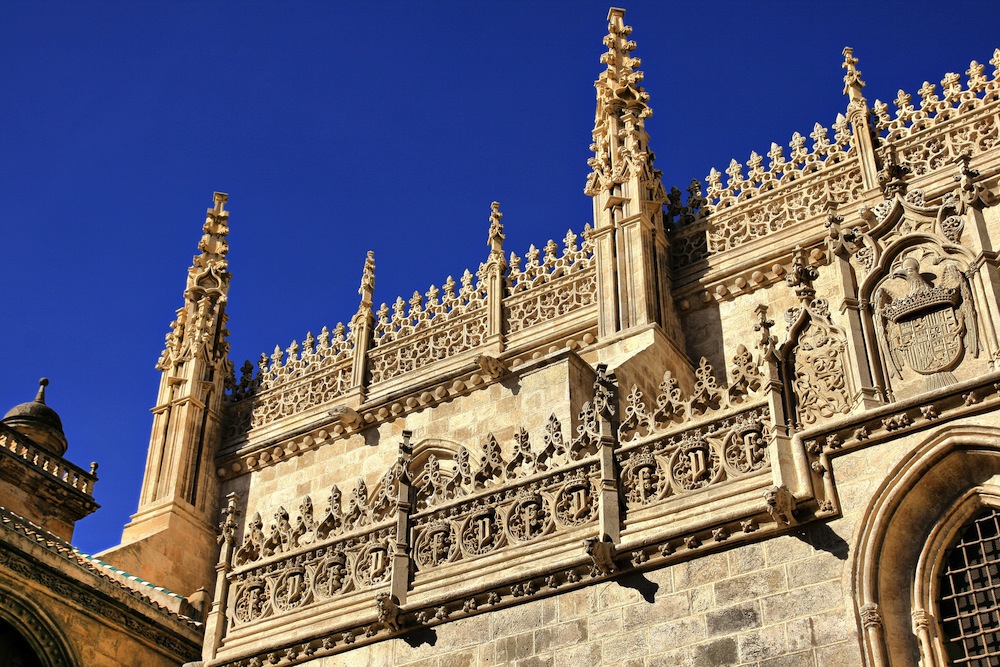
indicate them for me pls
(39, 422)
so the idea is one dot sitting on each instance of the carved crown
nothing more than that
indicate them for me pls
(932, 298)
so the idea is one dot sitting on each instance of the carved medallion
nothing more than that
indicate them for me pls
(575, 503)
(928, 327)
(373, 565)
(642, 479)
(694, 465)
(331, 575)
(529, 517)
(436, 544)
(820, 380)
(290, 590)
(482, 533)
(251, 601)
(745, 450)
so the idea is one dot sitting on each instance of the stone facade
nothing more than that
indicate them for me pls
(749, 422)
(58, 606)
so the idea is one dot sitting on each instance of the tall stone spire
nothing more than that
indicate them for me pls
(629, 235)
(171, 538)
(200, 323)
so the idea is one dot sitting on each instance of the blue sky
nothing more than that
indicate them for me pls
(341, 128)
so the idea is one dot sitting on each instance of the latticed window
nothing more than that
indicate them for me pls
(970, 589)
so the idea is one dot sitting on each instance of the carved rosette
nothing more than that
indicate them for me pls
(529, 517)
(694, 464)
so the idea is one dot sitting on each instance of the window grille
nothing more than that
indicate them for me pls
(970, 589)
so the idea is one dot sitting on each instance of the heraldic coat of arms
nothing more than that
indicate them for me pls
(930, 325)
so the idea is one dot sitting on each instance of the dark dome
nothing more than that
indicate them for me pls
(38, 421)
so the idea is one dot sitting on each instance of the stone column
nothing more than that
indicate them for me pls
(361, 332)
(215, 622)
(400, 576)
(496, 265)
(606, 407)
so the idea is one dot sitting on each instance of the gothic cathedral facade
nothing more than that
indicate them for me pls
(755, 421)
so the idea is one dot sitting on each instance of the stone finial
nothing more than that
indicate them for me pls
(42, 384)
(367, 288)
(852, 80)
(213, 244)
(766, 343)
(496, 235)
(227, 527)
(619, 135)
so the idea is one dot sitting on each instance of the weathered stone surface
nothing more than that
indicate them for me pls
(716, 653)
(750, 586)
(732, 620)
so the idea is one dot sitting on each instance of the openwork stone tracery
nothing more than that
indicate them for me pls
(614, 488)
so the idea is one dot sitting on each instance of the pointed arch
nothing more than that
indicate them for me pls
(902, 536)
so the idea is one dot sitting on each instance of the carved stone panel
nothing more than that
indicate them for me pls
(529, 517)
(925, 317)
(819, 368)
(482, 533)
(694, 465)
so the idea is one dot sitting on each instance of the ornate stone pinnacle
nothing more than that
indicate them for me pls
(367, 281)
(213, 244)
(620, 142)
(496, 235)
(852, 80)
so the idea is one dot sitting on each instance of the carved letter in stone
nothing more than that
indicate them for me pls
(642, 478)
(746, 450)
(575, 502)
(529, 517)
(694, 465)
(483, 533)
(331, 575)
(373, 565)
(436, 544)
